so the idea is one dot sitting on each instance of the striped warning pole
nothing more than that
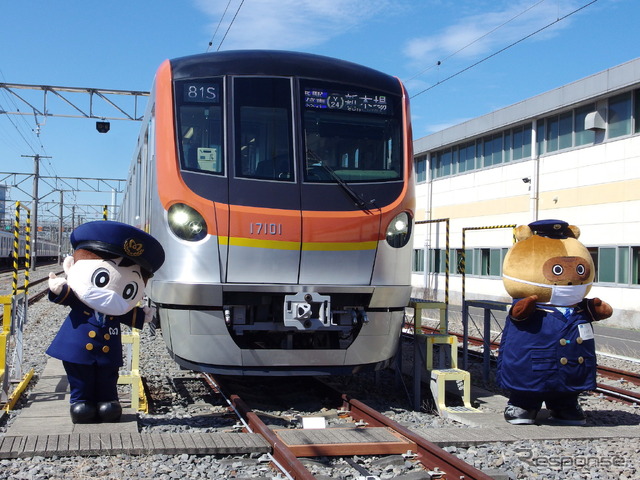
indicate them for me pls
(27, 252)
(105, 211)
(16, 248)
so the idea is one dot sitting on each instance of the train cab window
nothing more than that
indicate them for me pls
(200, 125)
(263, 128)
(351, 134)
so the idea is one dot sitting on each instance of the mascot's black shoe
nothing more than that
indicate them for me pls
(109, 411)
(83, 412)
(519, 416)
(569, 416)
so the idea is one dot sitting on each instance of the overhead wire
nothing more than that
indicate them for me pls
(484, 59)
(229, 27)
(440, 62)
(218, 26)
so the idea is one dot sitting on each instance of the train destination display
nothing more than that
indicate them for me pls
(349, 101)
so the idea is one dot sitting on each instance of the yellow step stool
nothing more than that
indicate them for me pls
(440, 377)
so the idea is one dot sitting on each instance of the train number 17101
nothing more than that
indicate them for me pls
(259, 228)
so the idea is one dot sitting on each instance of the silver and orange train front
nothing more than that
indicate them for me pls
(285, 205)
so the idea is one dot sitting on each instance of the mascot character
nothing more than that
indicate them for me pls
(547, 352)
(106, 277)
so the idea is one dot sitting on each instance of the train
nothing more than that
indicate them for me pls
(280, 185)
(45, 250)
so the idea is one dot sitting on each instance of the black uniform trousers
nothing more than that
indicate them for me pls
(92, 383)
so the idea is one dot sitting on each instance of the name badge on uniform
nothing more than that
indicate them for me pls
(585, 331)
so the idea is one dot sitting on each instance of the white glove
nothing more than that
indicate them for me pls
(149, 313)
(56, 283)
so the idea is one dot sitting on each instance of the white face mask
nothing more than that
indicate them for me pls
(561, 295)
(102, 300)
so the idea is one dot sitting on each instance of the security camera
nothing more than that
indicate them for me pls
(526, 180)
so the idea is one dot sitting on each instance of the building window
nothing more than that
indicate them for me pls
(565, 130)
(540, 136)
(637, 111)
(437, 260)
(444, 161)
(583, 136)
(607, 265)
(418, 260)
(421, 169)
(553, 128)
(623, 265)
(635, 265)
(619, 117)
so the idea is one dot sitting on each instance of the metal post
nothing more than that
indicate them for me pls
(465, 334)
(486, 343)
(36, 179)
(60, 227)
(417, 364)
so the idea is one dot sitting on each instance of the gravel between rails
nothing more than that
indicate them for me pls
(182, 404)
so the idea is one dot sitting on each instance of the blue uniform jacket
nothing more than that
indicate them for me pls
(548, 352)
(83, 338)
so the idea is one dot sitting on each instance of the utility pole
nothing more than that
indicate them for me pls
(36, 178)
(60, 227)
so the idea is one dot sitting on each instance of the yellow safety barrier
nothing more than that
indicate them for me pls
(133, 377)
(440, 376)
(11, 341)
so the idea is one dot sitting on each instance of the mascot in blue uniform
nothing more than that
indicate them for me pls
(106, 277)
(547, 351)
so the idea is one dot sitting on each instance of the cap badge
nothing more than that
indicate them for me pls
(133, 248)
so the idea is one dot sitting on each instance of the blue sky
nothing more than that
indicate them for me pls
(119, 45)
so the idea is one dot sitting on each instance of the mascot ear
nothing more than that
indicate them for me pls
(572, 231)
(67, 264)
(522, 232)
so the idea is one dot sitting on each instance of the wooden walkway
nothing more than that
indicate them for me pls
(44, 428)
(93, 444)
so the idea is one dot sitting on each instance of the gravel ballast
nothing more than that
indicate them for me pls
(175, 411)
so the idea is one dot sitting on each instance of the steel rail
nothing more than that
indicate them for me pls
(619, 394)
(281, 452)
(615, 374)
(432, 457)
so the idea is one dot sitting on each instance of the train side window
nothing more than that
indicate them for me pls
(263, 126)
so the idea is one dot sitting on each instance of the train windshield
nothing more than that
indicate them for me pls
(263, 128)
(351, 134)
(200, 125)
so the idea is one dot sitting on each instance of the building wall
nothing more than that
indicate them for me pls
(594, 186)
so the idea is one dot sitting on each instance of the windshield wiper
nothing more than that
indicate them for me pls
(353, 195)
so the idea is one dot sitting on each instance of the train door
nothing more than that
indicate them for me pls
(264, 193)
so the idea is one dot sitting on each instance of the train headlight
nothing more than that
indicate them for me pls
(399, 230)
(186, 223)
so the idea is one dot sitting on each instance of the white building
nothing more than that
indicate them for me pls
(572, 154)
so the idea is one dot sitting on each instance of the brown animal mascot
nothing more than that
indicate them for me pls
(547, 352)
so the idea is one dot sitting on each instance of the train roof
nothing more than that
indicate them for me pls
(280, 63)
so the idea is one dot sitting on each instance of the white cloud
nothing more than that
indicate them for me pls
(286, 24)
(480, 34)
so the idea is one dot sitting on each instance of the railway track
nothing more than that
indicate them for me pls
(389, 437)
